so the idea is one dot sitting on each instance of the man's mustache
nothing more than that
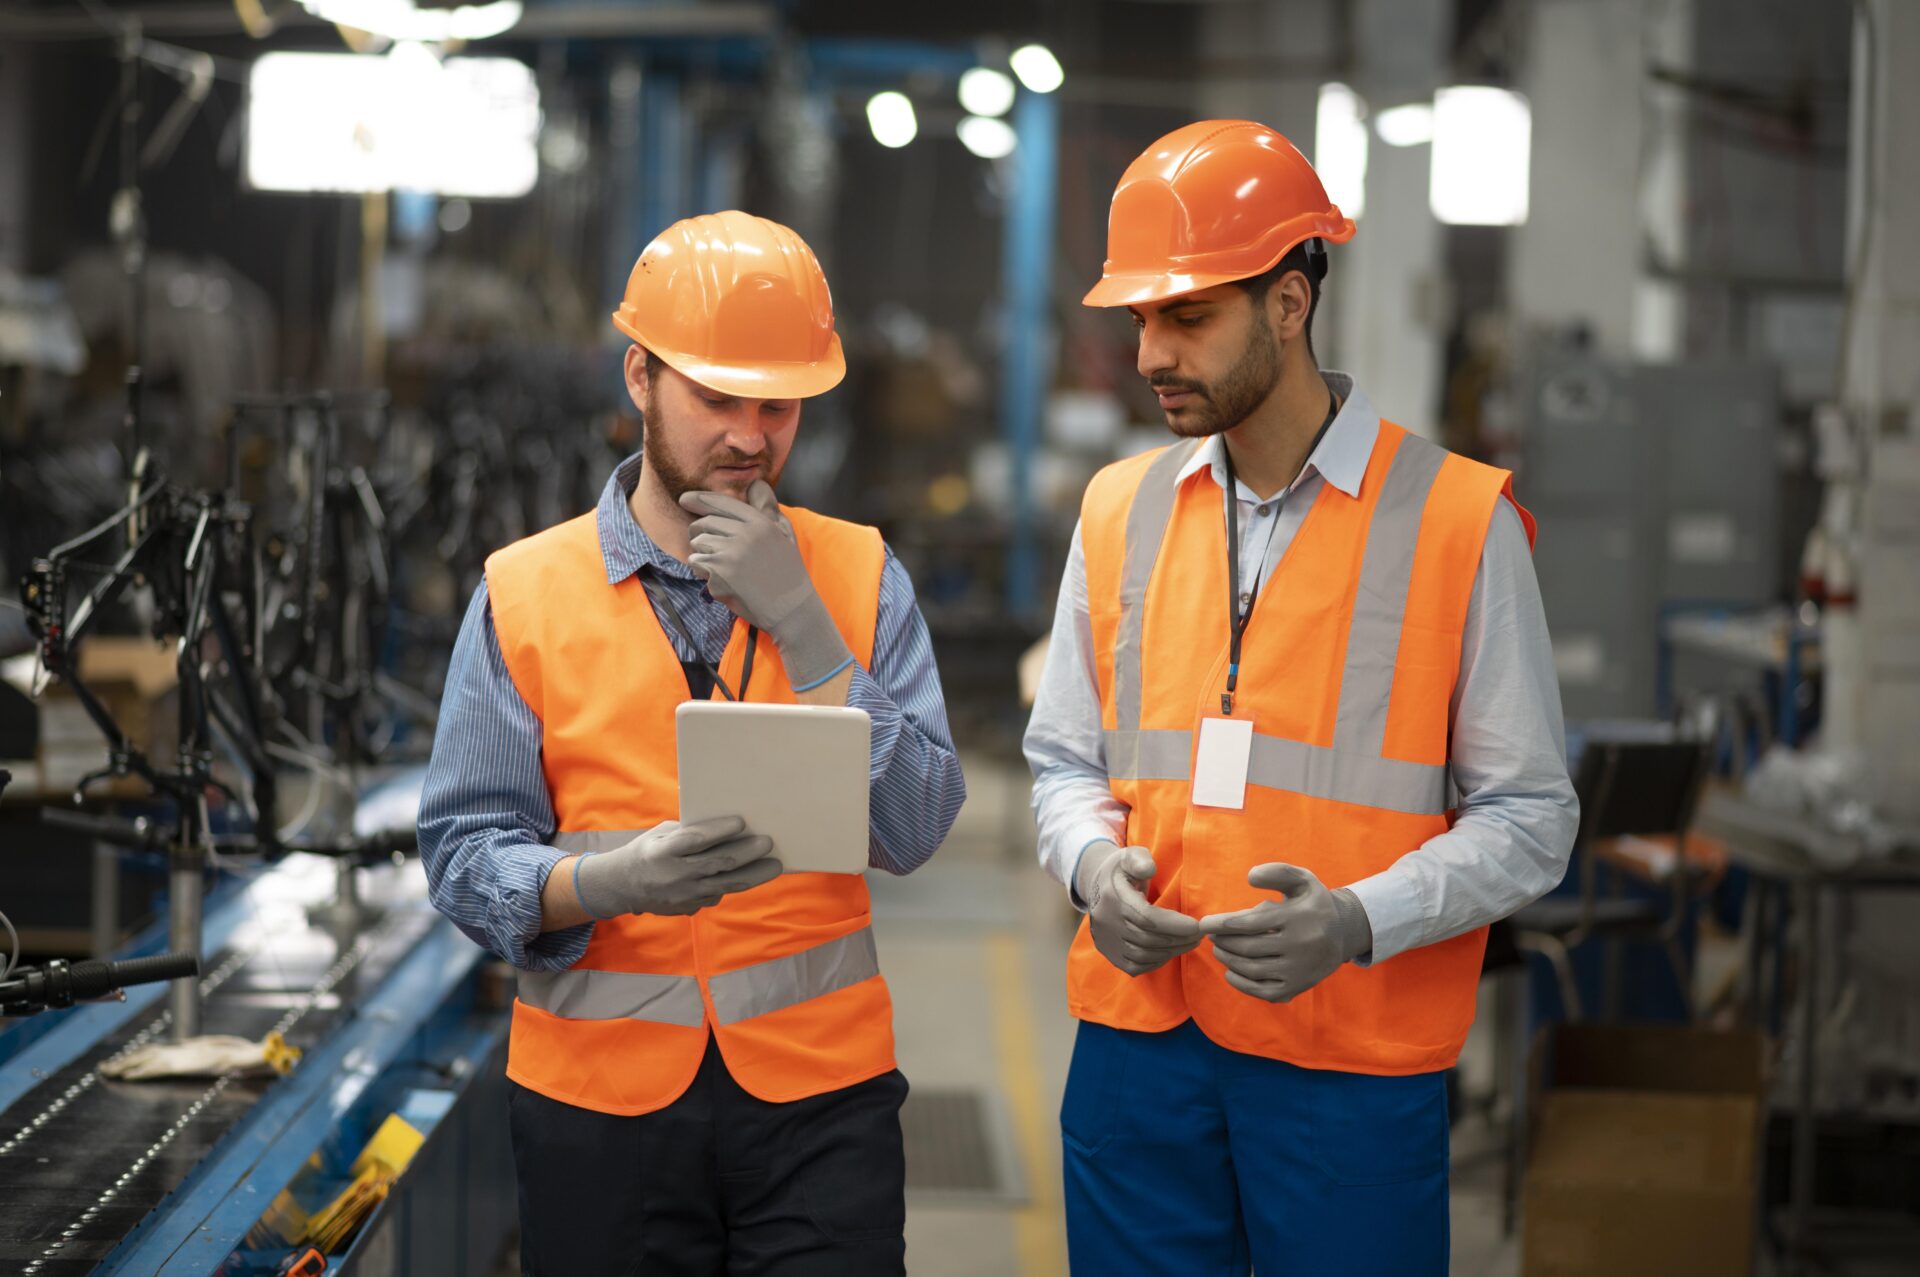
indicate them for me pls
(1161, 384)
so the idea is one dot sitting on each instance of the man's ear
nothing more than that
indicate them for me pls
(1289, 301)
(637, 379)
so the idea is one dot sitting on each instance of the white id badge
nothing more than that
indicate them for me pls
(1220, 764)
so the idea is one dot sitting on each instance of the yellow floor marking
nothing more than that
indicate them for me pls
(1038, 1228)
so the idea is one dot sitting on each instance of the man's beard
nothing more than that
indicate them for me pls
(675, 478)
(1240, 390)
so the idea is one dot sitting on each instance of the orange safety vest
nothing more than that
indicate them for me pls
(1347, 671)
(785, 975)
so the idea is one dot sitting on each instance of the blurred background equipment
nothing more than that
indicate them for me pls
(303, 314)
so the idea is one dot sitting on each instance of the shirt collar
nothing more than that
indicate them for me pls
(624, 544)
(1340, 457)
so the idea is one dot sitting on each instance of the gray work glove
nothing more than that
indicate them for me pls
(675, 869)
(1134, 935)
(746, 553)
(1279, 949)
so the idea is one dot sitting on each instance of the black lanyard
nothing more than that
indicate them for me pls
(1236, 619)
(663, 604)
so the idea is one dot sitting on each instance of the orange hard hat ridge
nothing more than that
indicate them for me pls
(1207, 204)
(738, 304)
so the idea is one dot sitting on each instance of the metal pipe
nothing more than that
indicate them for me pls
(106, 900)
(184, 902)
(1805, 1130)
(1026, 280)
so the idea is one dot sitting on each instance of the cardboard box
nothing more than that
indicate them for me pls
(1644, 1152)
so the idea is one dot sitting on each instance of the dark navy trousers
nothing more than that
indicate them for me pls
(1185, 1159)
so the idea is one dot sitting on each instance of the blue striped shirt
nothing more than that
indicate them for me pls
(486, 815)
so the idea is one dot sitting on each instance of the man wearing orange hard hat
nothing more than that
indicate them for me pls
(1297, 742)
(701, 1061)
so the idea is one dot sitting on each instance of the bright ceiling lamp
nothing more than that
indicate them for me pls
(402, 20)
(1037, 68)
(1409, 125)
(1340, 147)
(1481, 153)
(988, 138)
(985, 91)
(890, 116)
(346, 123)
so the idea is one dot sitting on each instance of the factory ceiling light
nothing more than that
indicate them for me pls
(890, 116)
(985, 91)
(401, 20)
(1037, 68)
(1340, 147)
(1409, 125)
(1481, 142)
(348, 123)
(988, 138)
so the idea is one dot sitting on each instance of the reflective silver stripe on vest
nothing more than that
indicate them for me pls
(1419, 789)
(1150, 755)
(615, 995)
(766, 987)
(1147, 520)
(1293, 766)
(1380, 602)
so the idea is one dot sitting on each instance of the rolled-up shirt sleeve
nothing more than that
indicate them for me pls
(486, 815)
(916, 784)
(1517, 810)
(1073, 801)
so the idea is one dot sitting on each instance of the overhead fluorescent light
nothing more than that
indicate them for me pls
(1037, 68)
(1409, 125)
(989, 139)
(402, 20)
(1340, 147)
(354, 124)
(890, 116)
(985, 91)
(1481, 156)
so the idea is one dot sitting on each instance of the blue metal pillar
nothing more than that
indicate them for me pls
(665, 194)
(1026, 283)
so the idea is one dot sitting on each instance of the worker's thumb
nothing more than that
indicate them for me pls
(1137, 864)
(1292, 880)
(760, 497)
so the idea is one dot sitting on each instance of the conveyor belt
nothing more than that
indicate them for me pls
(83, 1160)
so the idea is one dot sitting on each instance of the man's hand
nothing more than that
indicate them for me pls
(1134, 935)
(1279, 949)
(675, 869)
(746, 553)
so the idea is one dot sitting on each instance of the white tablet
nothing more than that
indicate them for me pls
(796, 773)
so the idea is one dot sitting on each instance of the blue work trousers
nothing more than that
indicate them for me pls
(1185, 1159)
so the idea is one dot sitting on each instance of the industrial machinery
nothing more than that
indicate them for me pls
(396, 1016)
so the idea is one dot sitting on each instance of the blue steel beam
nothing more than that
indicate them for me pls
(1026, 283)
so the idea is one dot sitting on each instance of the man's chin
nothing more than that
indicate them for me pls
(1189, 424)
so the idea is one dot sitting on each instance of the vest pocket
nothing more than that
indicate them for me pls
(1379, 1130)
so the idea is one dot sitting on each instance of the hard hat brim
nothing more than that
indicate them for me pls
(796, 380)
(1136, 288)
(1151, 286)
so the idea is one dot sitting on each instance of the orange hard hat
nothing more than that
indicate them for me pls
(1207, 204)
(738, 304)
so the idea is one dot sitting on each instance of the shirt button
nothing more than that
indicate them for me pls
(1246, 597)
(1265, 510)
